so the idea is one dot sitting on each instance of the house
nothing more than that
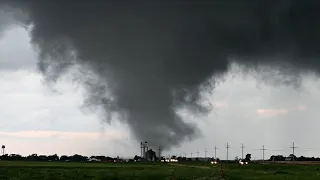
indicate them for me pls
(277, 158)
(94, 160)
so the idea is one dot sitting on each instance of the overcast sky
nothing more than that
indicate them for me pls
(37, 120)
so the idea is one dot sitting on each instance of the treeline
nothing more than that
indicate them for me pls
(55, 157)
(80, 158)
(291, 157)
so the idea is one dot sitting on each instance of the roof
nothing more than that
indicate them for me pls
(150, 150)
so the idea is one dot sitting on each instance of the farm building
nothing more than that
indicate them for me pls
(291, 157)
(151, 155)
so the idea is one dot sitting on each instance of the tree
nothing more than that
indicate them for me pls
(136, 158)
(33, 157)
(248, 157)
(54, 157)
(42, 157)
(78, 157)
(236, 158)
(64, 158)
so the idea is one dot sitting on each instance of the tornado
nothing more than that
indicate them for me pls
(140, 62)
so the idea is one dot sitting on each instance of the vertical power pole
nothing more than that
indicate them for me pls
(191, 154)
(293, 147)
(141, 147)
(198, 154)
(159, 152)
(227, 147)
(242, 151)
(215, 152)
(185, 155)
(205, 153)
(147, 147)
(263, 149)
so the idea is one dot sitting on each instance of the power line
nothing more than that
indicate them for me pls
(276, 150)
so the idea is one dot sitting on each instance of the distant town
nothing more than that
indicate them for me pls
(150, 157)
(146, 155)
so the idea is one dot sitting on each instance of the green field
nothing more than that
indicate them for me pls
(153, 171)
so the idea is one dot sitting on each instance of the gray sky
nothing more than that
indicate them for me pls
(36, 120)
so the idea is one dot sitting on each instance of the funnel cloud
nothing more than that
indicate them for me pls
(142, 61)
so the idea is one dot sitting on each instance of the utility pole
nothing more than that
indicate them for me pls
(227, 147)
(185, 155)
(263, 149)
(198, 154)
(215, 152)
(159, 152)
(205, 153)
(141, 146)
(242, 150)
(293, 147)
(191, 154)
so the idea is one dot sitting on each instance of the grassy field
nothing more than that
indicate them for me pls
(153, 171)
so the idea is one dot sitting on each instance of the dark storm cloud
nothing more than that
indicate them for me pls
(150, 57)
